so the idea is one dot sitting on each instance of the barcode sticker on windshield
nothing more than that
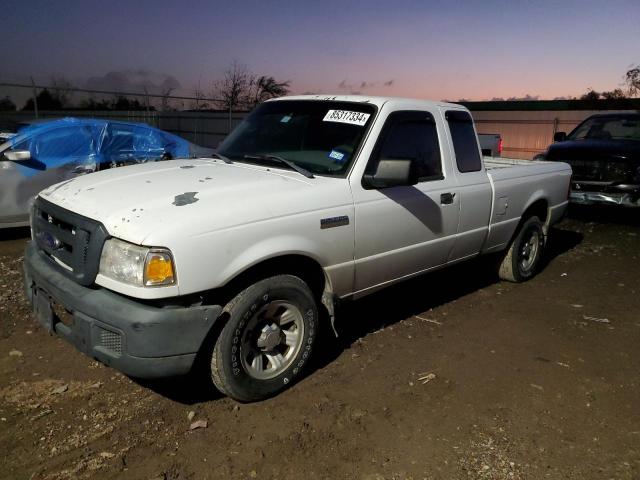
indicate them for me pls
(345, 116)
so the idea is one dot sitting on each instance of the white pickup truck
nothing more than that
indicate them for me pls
(234, 260)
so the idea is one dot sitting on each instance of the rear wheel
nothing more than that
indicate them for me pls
(521, 261)
(267, 340)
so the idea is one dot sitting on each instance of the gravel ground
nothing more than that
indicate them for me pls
(454, 375)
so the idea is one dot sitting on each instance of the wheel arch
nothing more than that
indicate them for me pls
(538, 206)
(303, 266)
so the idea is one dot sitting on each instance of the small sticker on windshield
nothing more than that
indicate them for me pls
(337, 156)
(285, 119)
(346, 116)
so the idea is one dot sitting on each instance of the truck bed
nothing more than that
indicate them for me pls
(513, 194)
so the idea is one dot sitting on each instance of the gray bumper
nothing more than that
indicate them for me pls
(138, 339)
(602, 198)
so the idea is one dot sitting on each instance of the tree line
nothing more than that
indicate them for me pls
(238, 89)
(631, 88)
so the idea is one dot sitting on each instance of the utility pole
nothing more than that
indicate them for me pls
(35, 97)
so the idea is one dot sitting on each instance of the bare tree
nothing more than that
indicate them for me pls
(234, 88)
(198, 102)
(166, 92)
(632, 80)
(616, 94)
(61, 90)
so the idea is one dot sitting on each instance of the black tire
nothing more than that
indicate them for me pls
(247, 363)
(522, 259)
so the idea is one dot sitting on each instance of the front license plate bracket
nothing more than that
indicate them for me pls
(42, 309)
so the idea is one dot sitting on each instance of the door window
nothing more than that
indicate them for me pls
(410, 135)
(62, 144)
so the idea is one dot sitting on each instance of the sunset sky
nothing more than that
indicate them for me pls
(427, 49)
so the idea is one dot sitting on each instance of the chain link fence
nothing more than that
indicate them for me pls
(196, 118)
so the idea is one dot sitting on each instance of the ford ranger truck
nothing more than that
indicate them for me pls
(233, 260)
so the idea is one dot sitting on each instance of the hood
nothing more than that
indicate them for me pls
(592, 149)
(153, 201)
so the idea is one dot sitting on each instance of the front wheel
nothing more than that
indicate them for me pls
(271, 330)
(523, 257)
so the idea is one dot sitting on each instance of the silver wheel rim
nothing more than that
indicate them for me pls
(272, 339)
(529, 251)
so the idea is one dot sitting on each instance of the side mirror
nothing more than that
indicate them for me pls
(559, 136)
(18, 155)
(392, 173)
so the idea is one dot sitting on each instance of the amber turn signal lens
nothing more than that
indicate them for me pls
(158, 269)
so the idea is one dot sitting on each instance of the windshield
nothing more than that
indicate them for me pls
(320, 136)
(608, 128)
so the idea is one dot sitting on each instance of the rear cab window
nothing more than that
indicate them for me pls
(465, 141)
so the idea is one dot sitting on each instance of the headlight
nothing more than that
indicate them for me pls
(136, 265)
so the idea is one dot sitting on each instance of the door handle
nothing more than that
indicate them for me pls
(447, 198)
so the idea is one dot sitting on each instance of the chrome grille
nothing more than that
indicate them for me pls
(600, 170)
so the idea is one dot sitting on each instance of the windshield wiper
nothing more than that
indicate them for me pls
(290, 164)
(221, 157)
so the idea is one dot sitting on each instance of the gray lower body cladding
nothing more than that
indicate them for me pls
(140, 340)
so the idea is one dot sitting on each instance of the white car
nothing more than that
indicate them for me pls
(312, 200)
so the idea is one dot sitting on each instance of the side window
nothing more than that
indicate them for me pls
(62, 143)
(465, 141)
(410, 135)
(131, 143)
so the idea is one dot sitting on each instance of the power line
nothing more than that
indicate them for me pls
(109, 92)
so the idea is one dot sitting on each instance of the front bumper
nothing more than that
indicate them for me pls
(140, 340)
(605, 198)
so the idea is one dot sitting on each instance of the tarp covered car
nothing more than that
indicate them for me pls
(50, 152)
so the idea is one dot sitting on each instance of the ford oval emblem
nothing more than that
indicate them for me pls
(50, 241)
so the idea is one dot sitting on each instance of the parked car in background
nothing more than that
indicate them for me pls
(4, 136)
(604, 153)
(490, 144)
(49, 152)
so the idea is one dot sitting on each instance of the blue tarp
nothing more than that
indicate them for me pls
(92, 144)
(63, 149)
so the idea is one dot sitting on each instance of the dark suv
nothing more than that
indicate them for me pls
(604, 153)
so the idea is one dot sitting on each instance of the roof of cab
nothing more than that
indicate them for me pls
(377, 101)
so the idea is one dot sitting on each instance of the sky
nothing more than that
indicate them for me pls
(476, 50)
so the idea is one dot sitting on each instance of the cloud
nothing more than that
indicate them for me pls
(527, 97)
(134, 81)
(363, 85)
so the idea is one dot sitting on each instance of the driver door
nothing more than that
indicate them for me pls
(401, 231)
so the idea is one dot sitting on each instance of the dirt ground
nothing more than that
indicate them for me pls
(530, 381)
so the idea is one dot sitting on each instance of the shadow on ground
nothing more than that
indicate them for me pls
(605, 214)
(356, 319)
(14, 233)
(188, 390)
(404, 300)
